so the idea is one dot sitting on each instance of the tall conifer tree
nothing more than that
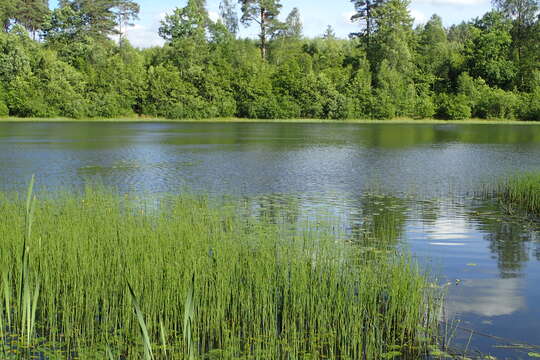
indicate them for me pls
(264, 13)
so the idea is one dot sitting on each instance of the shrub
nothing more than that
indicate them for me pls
(4, 111)
(225, 106)
(103, 104)
(25, 99)
(63, 86)
(263, 107)
(497, 104)
(453, 107)
(171, 97)
(393, 87)
(424, 108)
(309, 98)
(530, 106)
(289, 108)
(188, 107)
(14, 59)
(383, 106)
(469, 87)
(359, 93)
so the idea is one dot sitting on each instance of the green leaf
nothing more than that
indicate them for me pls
(391, 355)
(142, 324)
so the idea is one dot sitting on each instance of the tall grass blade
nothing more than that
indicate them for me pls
(25, 306)
(163, 337)
(189, 314)
(109, 353)
(7, 297)
(33, 312)
(29, 194)
(142, 324)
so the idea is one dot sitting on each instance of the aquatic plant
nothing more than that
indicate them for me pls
(521, 192)
(180, 278)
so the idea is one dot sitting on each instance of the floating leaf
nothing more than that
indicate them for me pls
(436, 352)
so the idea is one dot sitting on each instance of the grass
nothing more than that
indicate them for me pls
(403, 120)
(98, 275)
(521, 192)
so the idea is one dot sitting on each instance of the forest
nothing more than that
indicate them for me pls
(75, 61)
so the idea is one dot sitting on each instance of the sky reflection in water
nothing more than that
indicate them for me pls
(425, 173)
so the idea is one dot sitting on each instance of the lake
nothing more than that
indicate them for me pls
(428, 175)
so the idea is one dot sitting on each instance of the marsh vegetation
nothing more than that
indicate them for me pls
(521, 192)
(299, 214)
(96, 274)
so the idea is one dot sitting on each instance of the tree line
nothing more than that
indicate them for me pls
(75, 61)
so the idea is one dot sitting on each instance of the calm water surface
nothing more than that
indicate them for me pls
(426, 173)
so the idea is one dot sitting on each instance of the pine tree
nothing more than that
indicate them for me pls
(102, 18)
(32, 14)
(329, 33)
(8, 9)
(126, 11)
(264, 13)
(29, 13)
(365, 16)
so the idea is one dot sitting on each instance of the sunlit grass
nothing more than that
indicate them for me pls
(521, 192)
(105, 276)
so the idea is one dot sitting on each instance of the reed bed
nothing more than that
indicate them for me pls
(101, 276)
(521, 192)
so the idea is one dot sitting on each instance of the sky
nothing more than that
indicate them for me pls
(316, 16)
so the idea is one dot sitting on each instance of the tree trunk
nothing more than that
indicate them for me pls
(368, 22)
(263, 34)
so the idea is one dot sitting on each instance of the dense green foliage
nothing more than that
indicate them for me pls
(98, 269)
(488, 67)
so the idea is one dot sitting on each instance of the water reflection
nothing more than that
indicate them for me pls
(486, 297)
(288, 173)
(257, 159)
(382, 217)
(487, 258)
(514, 240)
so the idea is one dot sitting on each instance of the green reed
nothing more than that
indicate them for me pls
(182, 279)
(521, 192)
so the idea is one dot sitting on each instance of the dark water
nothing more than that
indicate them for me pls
(427, 173)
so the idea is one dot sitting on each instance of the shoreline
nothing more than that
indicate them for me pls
(241, 120)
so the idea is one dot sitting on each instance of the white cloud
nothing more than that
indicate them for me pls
(486, 297)
(214, 16)
(347, 17)
(419, 17)
(449, 229)
(142, 36)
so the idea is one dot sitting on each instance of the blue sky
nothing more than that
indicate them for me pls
(316, 15)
